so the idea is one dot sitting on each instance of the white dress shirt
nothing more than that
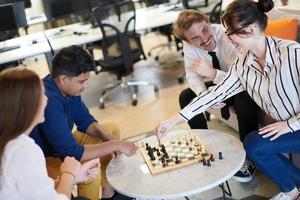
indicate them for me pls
(24, 175)
(276, 90)
(225, 53)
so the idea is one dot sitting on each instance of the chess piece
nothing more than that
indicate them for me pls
(208, 163)
(177, 160)
(220, 156)
(212, 158)
(204, 162)
(158, 153)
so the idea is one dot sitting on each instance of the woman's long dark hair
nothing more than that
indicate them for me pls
(20, 98)
(241, 13)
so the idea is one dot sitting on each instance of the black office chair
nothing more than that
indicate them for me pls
(121, 47)
(215, 14)
(194, 4)
(165, 30)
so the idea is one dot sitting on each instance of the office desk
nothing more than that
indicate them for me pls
(156, 16)
(31, 20)
(146, 18)
(130, 175)
(30, 45)
(73, 34)
(291, 8)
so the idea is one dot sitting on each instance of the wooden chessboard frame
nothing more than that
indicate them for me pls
(198, 158)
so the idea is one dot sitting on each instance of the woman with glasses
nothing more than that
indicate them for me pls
(268, 69)
(23, 173)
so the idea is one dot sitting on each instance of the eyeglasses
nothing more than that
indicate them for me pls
(234, 31)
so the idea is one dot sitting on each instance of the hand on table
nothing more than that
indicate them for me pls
(274, 130)
(126, 147)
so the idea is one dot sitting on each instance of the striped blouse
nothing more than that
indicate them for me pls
(276, 90)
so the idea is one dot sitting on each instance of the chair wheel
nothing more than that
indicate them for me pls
(180, 80)
(101, 105)
(134, 102)
(155, 89)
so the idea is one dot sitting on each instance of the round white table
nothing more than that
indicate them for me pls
(130, 175)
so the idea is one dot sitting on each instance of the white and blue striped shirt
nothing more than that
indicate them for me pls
(276, 90)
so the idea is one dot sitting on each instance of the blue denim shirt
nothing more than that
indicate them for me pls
(54, 136)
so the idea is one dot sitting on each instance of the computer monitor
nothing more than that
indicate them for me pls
(19, 12)
(57, 9)
(27, 3)
(81, 6)
(7, 18)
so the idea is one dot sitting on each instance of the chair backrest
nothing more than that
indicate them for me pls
(120, 42)
(215, 14)
(283, 28)
(154, 2)
(194, 4)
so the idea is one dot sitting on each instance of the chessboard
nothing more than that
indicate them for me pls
(178, 152)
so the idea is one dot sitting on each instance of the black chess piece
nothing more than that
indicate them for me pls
(147, 146)
(176, 160)
(212, 158)
(158, 153)
(208, 163)
(220, 156)
(166, 155)
(204, 162)
(152, 157)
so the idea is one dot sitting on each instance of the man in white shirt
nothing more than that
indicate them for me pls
(206, 43)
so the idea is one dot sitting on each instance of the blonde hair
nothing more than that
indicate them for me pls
(185, 20)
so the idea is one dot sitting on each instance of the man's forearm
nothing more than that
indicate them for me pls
(93, 151)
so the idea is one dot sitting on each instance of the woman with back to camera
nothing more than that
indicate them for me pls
(269, 70)
(23, 172)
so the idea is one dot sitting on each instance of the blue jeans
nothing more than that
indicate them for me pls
(267, 156)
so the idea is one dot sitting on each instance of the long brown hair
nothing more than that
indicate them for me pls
(20, 98)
